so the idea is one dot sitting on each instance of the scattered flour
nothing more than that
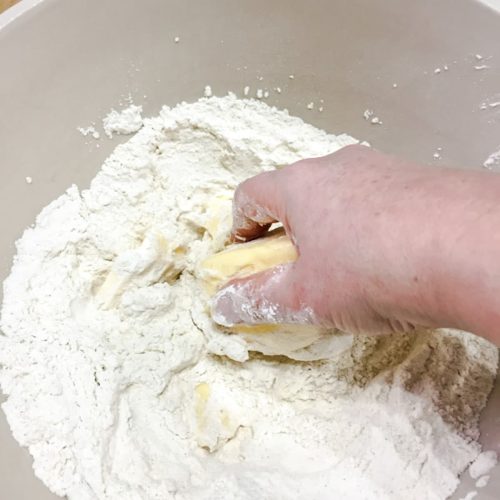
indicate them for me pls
(493, 161)
(369, 115)
(28, 179)
(483, 464)
(470, 495)
(85, 131)
(127, 121)
(121, 386)
(482, 481)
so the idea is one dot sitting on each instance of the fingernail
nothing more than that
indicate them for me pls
(227, 306)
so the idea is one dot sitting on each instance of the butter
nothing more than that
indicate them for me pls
(244, 259)
(147, 264)
(300, 342)
(219, 217)
(215, 422)
(202, 392)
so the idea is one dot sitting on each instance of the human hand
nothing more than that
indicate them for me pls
(362, 225)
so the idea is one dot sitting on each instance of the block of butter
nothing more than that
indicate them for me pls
(244, 259)
(301, 342)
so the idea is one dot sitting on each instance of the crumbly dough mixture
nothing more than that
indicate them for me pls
(123, 388)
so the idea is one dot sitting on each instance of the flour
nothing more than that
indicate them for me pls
(369, 115)
(483, 464)
(91, 130)
(123, 388)
(483, 481)
(493, 161)
(470, 495)
(127, 121)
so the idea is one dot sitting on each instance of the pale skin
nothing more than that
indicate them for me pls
(385, 245)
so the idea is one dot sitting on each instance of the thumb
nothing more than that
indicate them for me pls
(267, 297)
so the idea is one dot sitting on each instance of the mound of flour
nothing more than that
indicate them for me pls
(121, 387)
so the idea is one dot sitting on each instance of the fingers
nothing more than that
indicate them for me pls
(258, 202)
(267, 297)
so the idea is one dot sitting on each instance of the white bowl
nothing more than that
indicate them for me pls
(65, 64)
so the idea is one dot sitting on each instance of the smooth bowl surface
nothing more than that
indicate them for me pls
(65, 64)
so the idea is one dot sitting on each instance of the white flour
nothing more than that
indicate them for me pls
(118, 394)
(126, 121)
(493, 161)
(90, 130)
(483, 464)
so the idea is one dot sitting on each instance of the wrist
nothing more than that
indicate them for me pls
(462, 285)
(420, 271)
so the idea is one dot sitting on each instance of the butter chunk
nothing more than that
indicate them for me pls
(300, 342)
(147, 264)
(244, 259)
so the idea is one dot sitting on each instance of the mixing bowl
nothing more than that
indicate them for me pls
(64, 64)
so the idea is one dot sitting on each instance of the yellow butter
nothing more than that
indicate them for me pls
(218, 215)
(202, 392)
(244, 259)
(301, 342)
(153, 260)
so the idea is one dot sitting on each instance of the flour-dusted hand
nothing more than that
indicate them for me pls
(382, 244)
